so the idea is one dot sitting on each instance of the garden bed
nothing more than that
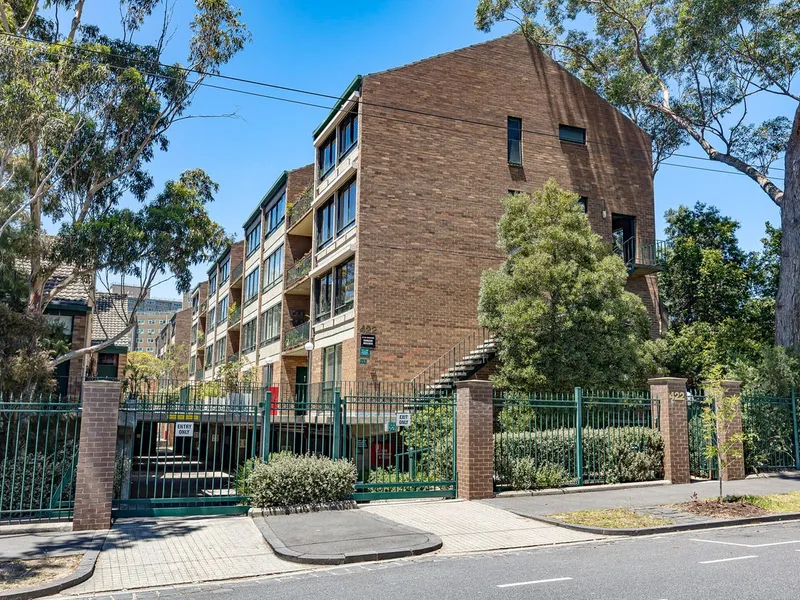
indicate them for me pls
(23, 573)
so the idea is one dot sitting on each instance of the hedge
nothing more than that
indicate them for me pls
(288, 480)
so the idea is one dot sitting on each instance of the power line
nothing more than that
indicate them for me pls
(320, 95)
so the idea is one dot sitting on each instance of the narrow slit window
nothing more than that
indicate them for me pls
(568, 133)
(514, 141)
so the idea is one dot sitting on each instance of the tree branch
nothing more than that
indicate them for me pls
(76, 20)
(29, 20)
(90, 349)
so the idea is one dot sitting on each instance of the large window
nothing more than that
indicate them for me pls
(222, 310)
(345, 280)
(346, 207)
(326, 156)
(325, 224)
(322, 297)
(211, 322)
(276, 215)
(209, 356)
(568, 133)
(249, 336)
(194, 333)
(253, 239)
(514, 141)
(273, 268)
(332, 364)
(219, 350)
(192, 364)
(348, 133)
(267, 374)
(270, 324)
(225, 271)
(251, 286)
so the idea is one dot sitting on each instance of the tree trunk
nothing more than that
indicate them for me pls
(787, 310)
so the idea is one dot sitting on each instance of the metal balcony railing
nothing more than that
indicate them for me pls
(237, 273)
(203, 306)
(300, 207)
(296, 337)
(298, 270)
(647, 255)
(234, 315)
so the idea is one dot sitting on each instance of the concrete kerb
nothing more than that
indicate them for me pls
(84, 571)
(297, 509)
(583, 489)
(667, 528)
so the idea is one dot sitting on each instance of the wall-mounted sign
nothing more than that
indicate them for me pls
(184, 429)
(390, 426)
(363, 361)
(403, 419)
(367, 340)
(365, 352)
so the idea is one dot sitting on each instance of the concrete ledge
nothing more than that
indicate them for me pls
(35, 528)
(583, 489)
(667, 528)
(82, 573)
(296, 509)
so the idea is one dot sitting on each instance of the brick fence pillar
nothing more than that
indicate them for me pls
(735, 468)
(475, 440)
(671, 394)
(95, 476)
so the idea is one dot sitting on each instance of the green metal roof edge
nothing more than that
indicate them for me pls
(354, 85)
(281, 180)
(67, 306)
(114, 349)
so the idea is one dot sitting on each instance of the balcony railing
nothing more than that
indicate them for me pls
(234, 315)
(237, 273)
(296, 337)
(233, 357)
(203, 306)
(298, 270)
(300, 207)
(643, 256)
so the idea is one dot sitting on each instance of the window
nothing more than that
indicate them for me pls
(322, 297)
(346, 207)
(209, 356)
(225, 271)
(151, 322)
(276, 215)
(271, 324)
(584, 202)
(151, 331)
(219, 350)
(273, 268)
(568, 133)
(150, 340)
(348, 133)
(222, 310)
(325, 224)
(249, 336)
(332, 364)
(514, 141)
(194, 333)
(345, 276)
(266, 375)
(192, 364)
(326, 156)
(211, 322)
(141, 321)
(212, 284)
(253, 239)
(251, 287)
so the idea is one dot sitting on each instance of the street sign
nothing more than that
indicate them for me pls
(403, 419)
(367, 340)
(391, 426)
(184, 429)
(364, 352)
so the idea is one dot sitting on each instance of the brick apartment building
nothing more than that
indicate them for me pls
(383, 256)
(177, 333)
(152, 315)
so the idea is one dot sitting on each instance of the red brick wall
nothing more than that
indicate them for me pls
(429, 192)
(670, 392)
(474, 439)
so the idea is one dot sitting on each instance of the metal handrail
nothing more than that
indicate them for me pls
(300, 207)
(298, 270)
(646, 252)
(450, 361)
(237, 272)
(296, 336)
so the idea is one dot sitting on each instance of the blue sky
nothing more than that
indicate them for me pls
(321, 45)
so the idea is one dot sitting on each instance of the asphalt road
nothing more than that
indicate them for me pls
(745, 562)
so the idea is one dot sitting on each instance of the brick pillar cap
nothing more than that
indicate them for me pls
(103, 382)
(473, 383)
(658, 380)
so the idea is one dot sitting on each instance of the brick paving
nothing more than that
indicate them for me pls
(474, 527)
(166, 552)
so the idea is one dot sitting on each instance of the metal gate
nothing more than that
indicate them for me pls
(699, 465)
(403, 443)
(186, 451)
(38, 458)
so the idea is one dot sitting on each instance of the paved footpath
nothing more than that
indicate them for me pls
(640, 497)
(164, 552)
(473, 526)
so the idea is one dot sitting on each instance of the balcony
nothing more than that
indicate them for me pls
(298, 271)
(644, 257)
(236, 275)
(300, 208)
(204, 306)
(296, 338)
(234, 315)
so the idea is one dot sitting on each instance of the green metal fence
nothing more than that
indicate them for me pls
(770, 425)
(700, 466)
(590, 436)
(403, 444)
(39, 438)
(186, 449)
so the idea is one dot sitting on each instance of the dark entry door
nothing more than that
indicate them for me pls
(301, 388)
(623, 237)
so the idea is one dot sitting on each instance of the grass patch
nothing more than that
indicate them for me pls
(776, 503)
(21, 573)
(612, 518)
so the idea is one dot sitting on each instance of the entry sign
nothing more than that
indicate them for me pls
(184, 429)
(367, 340)
(403, 419)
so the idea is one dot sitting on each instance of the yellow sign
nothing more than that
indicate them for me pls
(179, 417)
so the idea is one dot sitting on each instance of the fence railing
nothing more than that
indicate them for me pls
(456, 362)
(700, 466)
(575, 438)
(297, 336)
(643, 252)
(39, 441)
(770, 428)
(300, 207)
(298, 270)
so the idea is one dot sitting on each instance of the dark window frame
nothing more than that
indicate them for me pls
(272, 269)
(325, 152)
(514, 134)
(275, 215)
(253, 237)
(326, 212)
(327, 280)
(572, 134)
(251, 286)
(349, 125)
(351, 185)
(339, 282)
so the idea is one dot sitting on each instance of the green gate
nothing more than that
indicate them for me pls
(402, 442)
(770, 427)
(38, 457)
(700, 466)
(185, 451)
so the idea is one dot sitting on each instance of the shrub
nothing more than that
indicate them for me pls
(392, 475)
(528, 474)
(288, 480)
(122, 468)
(38, 476)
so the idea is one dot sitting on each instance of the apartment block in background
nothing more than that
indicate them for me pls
(152, 315)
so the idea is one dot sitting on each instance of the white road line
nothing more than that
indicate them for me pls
(746, 545)
(505, 585)
(720, 560)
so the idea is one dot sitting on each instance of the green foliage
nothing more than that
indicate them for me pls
(392, 475)
(33, 492)
(289, 480)
(558, 305)
(719, 413)
(431, 431)
(529, 474)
